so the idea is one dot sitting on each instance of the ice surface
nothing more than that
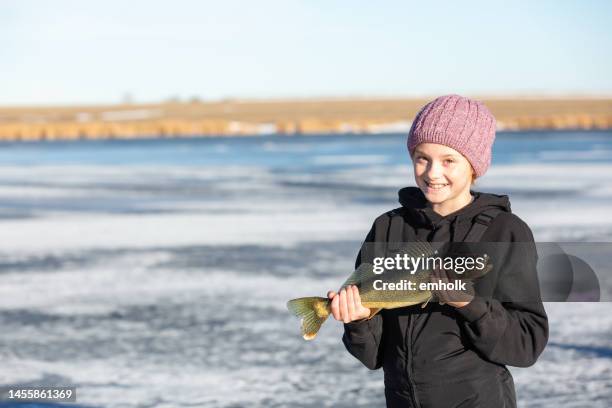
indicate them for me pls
(165, 285)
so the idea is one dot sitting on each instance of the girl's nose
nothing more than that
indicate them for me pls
(434, 171)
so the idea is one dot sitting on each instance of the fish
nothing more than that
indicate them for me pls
(314, 311)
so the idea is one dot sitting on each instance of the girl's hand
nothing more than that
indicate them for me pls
(346, 305)
(454, 298)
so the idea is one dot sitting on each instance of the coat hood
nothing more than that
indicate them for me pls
(414, 201)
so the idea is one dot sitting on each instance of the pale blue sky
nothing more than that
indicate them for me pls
(97, 51)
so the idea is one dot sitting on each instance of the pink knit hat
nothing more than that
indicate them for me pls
(463, 124)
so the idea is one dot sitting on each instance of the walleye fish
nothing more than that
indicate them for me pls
(313, 311)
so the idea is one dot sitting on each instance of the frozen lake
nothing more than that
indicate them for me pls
(155, 272)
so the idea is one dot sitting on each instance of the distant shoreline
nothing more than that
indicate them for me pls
(244, 118)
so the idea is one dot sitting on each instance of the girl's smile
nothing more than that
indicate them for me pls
(435, 187)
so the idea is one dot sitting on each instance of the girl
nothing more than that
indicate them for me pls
(455, 354)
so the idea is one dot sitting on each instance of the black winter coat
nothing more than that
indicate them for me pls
(441, 356)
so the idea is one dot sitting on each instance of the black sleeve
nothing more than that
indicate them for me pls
(363, 338)
(505, 331)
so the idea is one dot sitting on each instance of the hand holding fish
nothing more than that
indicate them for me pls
(346, 305)
(455, 298)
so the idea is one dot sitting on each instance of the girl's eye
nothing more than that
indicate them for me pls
(449, 161)
(421, 158)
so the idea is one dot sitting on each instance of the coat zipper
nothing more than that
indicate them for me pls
(411, 386)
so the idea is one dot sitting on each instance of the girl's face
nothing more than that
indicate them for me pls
(443, 174)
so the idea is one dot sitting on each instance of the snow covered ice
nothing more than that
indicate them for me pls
(163, 282)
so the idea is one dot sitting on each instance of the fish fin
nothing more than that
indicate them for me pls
(424, 304)
(312, 311)
(373, 312)
(366, 270)
(417, 249)
(363, 272)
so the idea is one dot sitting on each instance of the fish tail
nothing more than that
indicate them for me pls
(313, 311)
